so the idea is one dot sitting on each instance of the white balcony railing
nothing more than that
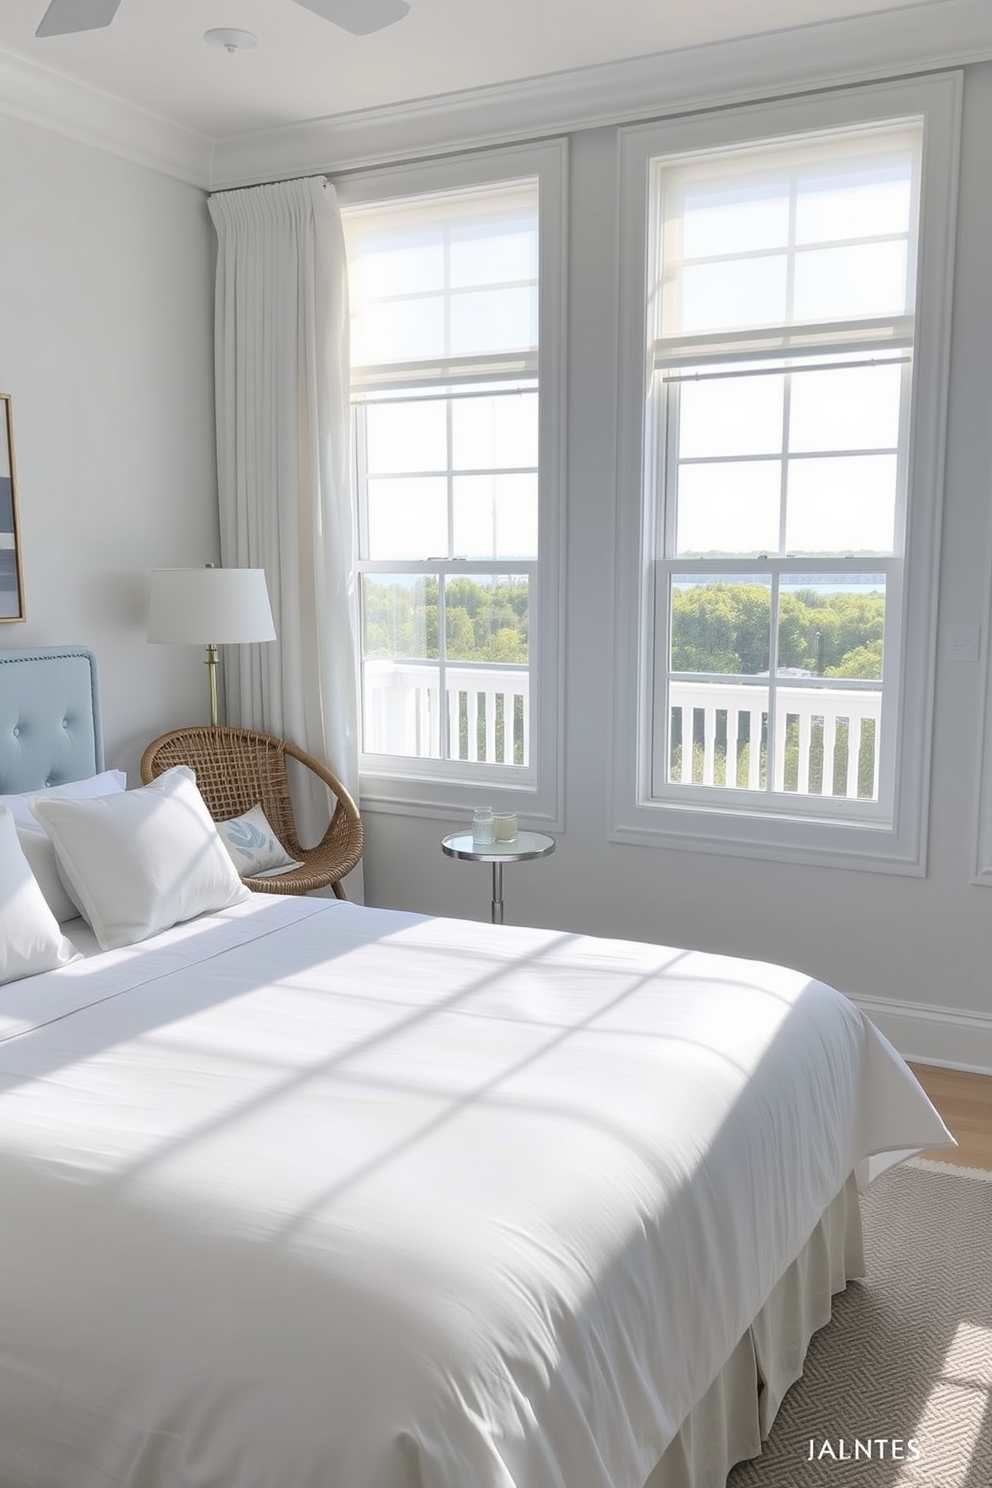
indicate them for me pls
(826, 742)
(830, 733)
(486, 717)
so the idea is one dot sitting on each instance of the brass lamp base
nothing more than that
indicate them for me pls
(211, 666)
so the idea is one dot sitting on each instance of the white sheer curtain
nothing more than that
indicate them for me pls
(283, 452)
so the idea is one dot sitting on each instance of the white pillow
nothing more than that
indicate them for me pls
(39, 850)
(255, 849)
(30, 938)
(103, 784)
(142, 860)
(35, 843)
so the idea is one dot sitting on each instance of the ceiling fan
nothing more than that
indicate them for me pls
(358, 16)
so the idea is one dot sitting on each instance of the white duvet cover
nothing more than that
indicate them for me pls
(305, 1195)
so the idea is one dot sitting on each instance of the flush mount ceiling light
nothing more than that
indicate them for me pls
(230, 39)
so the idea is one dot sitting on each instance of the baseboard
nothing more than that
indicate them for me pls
(950, 1037)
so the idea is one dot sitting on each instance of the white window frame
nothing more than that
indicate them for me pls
(738, 827)
(449, 789)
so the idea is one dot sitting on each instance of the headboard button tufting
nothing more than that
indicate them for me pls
(49, 717)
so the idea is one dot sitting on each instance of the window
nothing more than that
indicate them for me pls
(783, 431)
(454, 399)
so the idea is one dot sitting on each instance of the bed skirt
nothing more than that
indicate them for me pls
(736, 1413)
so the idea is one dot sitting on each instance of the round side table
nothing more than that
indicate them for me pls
(524, 846)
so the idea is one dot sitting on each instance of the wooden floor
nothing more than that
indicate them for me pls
(965, 1104)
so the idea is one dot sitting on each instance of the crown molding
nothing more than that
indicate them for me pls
(887, 44)
(910, 39)
(49, 100)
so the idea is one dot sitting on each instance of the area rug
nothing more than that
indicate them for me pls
(897, 1390)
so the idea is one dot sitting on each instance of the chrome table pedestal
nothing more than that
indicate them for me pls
(525, 845)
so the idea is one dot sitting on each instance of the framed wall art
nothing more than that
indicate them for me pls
(11, 582)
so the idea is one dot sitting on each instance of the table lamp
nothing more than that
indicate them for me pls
(209, 607)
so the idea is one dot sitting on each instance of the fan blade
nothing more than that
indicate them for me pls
(65, 16)
(358, 16)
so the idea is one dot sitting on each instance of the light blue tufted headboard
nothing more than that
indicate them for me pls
(50, 727)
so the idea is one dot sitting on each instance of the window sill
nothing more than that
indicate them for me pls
(450, 800)
(875, 848)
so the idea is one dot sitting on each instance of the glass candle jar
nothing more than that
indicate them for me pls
(482, 827)
(505, 826)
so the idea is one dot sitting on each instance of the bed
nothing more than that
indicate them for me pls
(301, 1194)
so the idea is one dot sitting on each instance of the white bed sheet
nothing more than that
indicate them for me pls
(305, 1194)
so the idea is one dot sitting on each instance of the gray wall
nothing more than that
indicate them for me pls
(917, 951)
(106, 350)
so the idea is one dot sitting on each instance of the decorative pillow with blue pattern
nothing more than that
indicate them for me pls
(255, 849)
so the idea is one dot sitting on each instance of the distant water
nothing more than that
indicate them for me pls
(827, 583)
(824, 583)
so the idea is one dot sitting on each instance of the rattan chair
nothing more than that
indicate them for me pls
(238, 768)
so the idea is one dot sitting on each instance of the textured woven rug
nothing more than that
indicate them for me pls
(907, 1357)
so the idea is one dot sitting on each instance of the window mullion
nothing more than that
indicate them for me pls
(790, 268)
(666, 464)
(361, 479)
(442, 670)
(902, 460)
(661, 743)
(773, 718)
(783, 509)
(446, 295)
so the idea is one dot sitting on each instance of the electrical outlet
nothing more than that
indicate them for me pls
(961, 642)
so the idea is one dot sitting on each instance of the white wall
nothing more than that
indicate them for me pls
(917, 951)
(106, 349)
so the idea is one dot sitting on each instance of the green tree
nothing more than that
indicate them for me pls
(483, 621)
(721, 627)
(400, 619)
(459, 634)
(726, 627)
(861, 661)
(506, 644)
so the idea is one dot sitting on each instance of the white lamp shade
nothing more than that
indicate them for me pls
(209, 606)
